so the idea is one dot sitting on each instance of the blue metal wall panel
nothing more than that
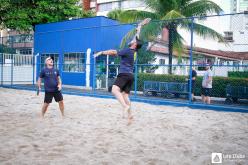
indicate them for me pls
(96, 33)
(69, 25)
(111, 36)
(107, 22)
(80, 40)
(48, 42)
(70, 78)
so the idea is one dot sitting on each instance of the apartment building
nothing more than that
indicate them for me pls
(102, 7)
(17, 42)
(239, 6)
(234, 28)
(3, 32)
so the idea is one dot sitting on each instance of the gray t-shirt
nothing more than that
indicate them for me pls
(127, 60)
(205, 83)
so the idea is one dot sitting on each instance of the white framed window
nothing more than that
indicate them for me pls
(105, 7)
(54, 56)
(126, 4)
(161, 61)
(74, 62)
(23, 38)
(228, 36)
(26, 51)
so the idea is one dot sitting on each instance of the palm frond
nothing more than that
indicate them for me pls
(201, 8)
(151, 31)
(127, 38)
(148, 33)
(203, 31)
(178, 45)
(131, 16)
(183, 3)
(162, 6)
(152, 4)
(173, 14)
(114, 14)
(207, 32)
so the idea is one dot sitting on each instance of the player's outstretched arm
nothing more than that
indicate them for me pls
(106, 52)
(139, 27)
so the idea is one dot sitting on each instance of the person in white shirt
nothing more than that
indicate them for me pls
(207, 85)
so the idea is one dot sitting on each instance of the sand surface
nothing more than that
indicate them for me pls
(94, 133)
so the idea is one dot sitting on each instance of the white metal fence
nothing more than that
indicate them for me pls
(17, 68)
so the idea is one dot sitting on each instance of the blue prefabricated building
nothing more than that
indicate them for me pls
(72, 44)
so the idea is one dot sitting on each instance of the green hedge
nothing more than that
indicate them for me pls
(219, 83)
(238, 74)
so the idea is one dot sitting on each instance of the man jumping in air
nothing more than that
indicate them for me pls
(122, 86)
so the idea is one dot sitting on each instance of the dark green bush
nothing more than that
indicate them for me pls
(219, 83)
(238, 74)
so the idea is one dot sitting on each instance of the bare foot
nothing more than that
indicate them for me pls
(123, 114)
(130, 119)
(125, 110)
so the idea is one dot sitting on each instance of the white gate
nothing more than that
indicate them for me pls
(16, 69)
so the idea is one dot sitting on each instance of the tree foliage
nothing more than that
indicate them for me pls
(166, 14)
(22, 15)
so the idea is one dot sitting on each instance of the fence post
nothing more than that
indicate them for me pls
(107, 72)
(1, 58)
(136, 76)
(94, 75)
(33, 67)
(35, 56)
(12, 57)
(191, 58)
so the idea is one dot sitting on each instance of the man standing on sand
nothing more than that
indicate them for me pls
(207, 84)
(194, 75)
(52, 85)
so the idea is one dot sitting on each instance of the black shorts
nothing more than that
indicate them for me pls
(206, 91)
(50, 95)
(124, 81)
(192, 86)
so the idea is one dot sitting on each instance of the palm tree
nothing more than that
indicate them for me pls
(171, 14)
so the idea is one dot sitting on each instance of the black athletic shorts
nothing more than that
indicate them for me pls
(50, 95)
(124, 81)
(192, 86)
(206, 91)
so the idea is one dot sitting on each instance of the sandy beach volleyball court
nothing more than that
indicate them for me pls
(94, 133)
